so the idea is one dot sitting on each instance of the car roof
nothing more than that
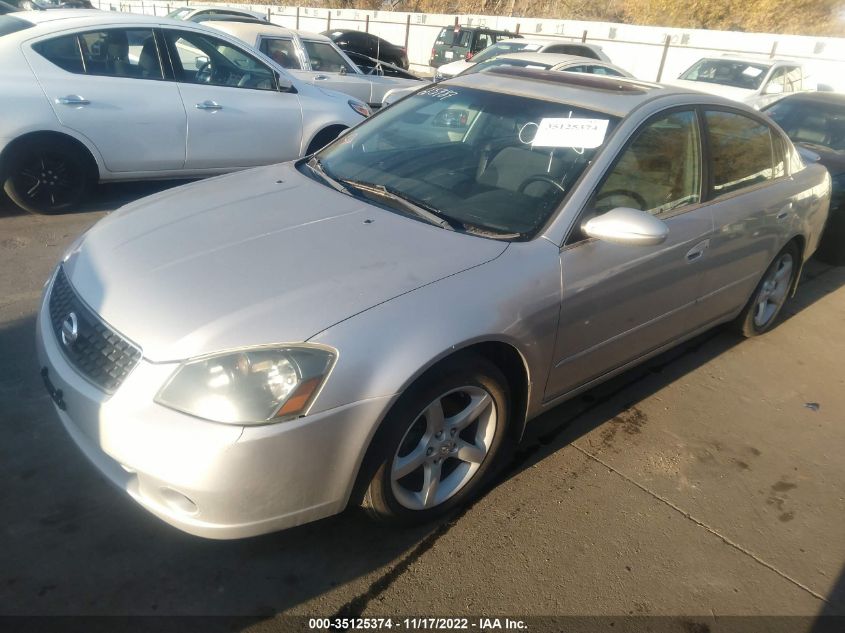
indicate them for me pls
(750, 59)
(830, 98)
(547, 41)
(248, 31)
(616, 96)
(551, 59)
(80, 18)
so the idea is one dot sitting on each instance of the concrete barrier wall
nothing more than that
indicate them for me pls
(638, 49)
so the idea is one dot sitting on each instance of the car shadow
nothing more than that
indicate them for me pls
(75, 545)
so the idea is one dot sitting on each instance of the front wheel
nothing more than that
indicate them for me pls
(47, 177)
(442, 442)
(762, 310)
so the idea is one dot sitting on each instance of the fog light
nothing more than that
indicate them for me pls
(177, 501)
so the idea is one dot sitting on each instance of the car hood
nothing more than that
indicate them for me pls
(453, 68)
(259, 257)
(729, 92)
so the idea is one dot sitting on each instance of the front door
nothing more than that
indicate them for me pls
(108, 85)
(237, 117)
(621, 302)
(330, 70)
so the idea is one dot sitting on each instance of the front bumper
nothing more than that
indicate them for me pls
(209, 479)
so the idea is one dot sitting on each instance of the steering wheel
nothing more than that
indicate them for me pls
(539, 178)
(633, 195)
(205, 73)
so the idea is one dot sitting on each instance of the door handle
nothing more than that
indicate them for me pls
(320, 77)
(72, 100)
(785, 211)
(208, 105)
(697, 251)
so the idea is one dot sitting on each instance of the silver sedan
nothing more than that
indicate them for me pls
(375, 324)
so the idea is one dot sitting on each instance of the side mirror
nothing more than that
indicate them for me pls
(773, 89)
(201, 61)
(343, 70)
(627, 226)
(452, 118)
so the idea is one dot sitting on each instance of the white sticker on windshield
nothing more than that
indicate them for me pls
(580, 133)
(751, 71)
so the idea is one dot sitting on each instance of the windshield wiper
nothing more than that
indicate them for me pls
(429, 214)
(316, 166)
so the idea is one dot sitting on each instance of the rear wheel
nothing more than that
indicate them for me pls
(442, 443)
(47, 176)
(762, 310)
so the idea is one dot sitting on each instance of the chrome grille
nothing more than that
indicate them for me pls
(99, 353)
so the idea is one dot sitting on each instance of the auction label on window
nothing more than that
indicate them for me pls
(580, 133)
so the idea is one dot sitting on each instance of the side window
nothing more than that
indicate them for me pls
(775, 85)
(793, 79)
(121, 53)
(203, 59)
(324, 58)
(482, 41)
(281, 51)
(62, 51)
(741, 151)
(605, 71)
(659, 171)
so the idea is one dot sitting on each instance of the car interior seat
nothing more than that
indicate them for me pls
(148, 60)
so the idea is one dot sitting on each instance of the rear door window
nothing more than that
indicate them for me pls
(282, 51)
(324, 58)
(121, 53)
(742, 152)
(62, 51)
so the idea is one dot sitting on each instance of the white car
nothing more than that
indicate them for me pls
(95, 95)
(535, 61)
(522, 45)
(201, 14)
(316, 59)
(750, 80)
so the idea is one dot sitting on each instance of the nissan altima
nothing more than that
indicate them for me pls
(377, 323)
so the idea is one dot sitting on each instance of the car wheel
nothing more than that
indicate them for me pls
(831, 249)
(47, 176)
(762, 310)
(442, 443)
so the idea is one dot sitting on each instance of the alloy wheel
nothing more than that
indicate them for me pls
(773, 291)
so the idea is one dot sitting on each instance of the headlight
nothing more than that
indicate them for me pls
(361, 108)
(257, 386)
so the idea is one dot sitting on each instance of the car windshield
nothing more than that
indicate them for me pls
(810, 122)
(503, 48)
(727, 72)
(490, 163)
(504, 61)
(450, 36)
(8, 25)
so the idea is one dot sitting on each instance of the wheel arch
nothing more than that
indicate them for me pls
(330, 132)
(504, 355)
(86, 152)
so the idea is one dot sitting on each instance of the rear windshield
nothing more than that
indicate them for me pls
(450, 37)
(503, 48)
(8, 25)
(727, 73)
(504, 61)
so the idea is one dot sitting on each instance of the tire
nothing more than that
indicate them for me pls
(831, 249)
(323, 138)
(47, 176)
(763, 308)
(453, 467)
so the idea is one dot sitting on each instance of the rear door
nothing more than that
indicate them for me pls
(109, 85)
(752, 204)
(237, 117)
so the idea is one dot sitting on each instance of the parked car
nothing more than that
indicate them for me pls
(425, 321)
(521, 45)
(817, 121)
(370, 45)
(371, 66)
(315, 59)
(541, 61)
(114, 96)
(202, 14)
(753, 81)
(462, 42)
(7, 8)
